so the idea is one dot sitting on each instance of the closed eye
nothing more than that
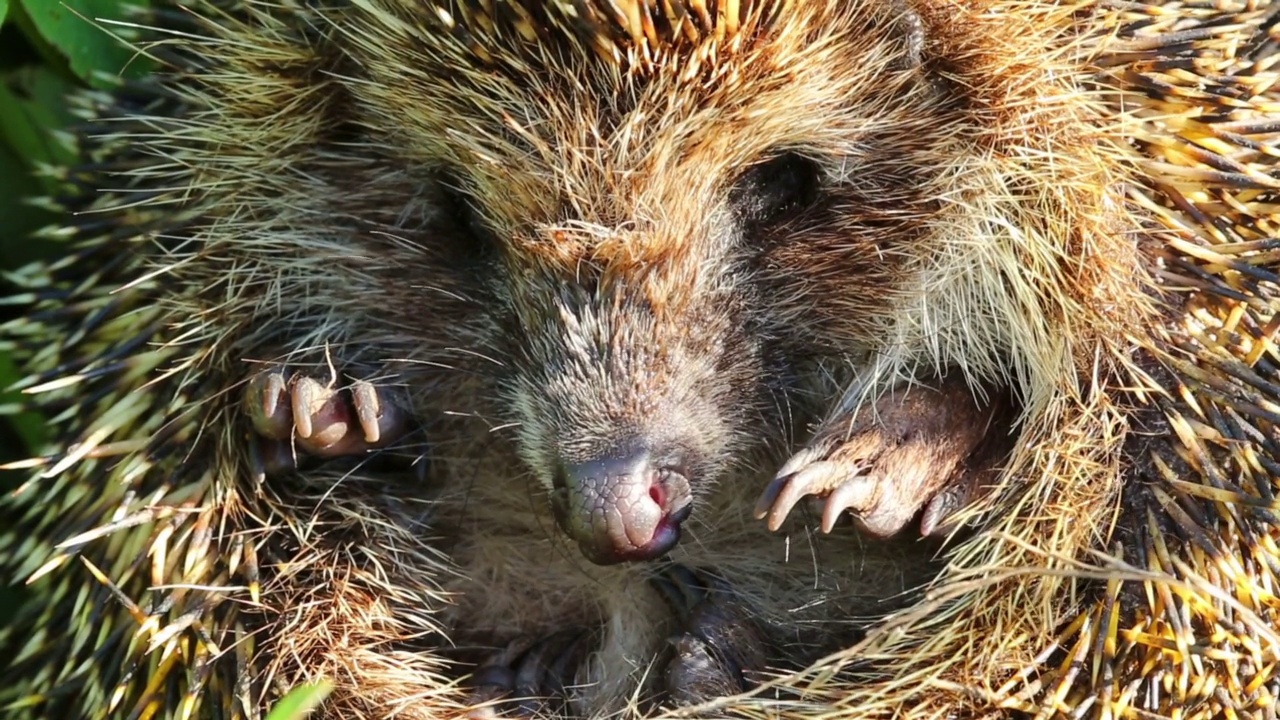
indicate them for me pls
(776, 189)
(471, 229)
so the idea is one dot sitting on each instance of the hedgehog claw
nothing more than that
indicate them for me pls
(925, 454)
(364, 398)
(322, 420)
(310, 399)
(720, 642)
(527, 678)
(854, 494)
(933, 521)
(267, 400)
(787, 490)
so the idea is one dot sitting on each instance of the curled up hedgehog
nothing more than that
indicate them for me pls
(621, 358)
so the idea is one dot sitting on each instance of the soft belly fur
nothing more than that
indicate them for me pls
(518, 578)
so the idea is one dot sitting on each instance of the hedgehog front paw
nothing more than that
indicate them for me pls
(720, 644)
(918, 448)
(296, 413)
(527, 677)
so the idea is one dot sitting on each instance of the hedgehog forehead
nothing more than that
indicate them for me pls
(647, 165)
(580, 141)
(631, 34)
(541, 132)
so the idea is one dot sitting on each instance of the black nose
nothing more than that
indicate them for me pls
(623, 507)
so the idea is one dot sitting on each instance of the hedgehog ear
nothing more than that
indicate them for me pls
(476, 237)
(776, 188)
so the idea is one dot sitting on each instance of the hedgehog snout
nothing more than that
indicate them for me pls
(625, 506)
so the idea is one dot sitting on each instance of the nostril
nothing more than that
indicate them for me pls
(622, 506)
(658, 496)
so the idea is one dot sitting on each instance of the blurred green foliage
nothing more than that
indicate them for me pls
(70, 30)
(48, 50)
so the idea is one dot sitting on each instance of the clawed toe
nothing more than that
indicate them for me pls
(922, 452)
(817, 478)
(325, 420)
(296, 414)
(527, 678)
(882, 497)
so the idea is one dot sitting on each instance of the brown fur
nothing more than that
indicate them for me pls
(571, 270)
(533, 229)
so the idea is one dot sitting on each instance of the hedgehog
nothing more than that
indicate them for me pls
(585, 358)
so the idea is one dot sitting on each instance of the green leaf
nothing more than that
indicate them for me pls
(32, 104)
(300, 701)
(4, 10)
(80, 30)
(19, 219)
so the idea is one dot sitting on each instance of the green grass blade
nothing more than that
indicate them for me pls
(300, 701)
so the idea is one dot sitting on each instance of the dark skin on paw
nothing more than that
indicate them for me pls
(528, 677)
(924, 450)
(719, 644)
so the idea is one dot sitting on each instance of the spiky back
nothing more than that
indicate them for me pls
(142, 530)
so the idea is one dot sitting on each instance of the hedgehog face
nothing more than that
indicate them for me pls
(646, 355)
(665, 242)
(625, 371)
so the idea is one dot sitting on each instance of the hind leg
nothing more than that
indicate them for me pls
(528, 678)
(719, 645)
